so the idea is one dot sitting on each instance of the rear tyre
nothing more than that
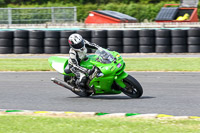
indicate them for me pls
(82, 93)
(133, 88)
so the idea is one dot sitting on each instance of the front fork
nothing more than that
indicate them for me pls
(119, 79)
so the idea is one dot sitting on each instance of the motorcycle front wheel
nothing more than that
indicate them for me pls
(133, 88)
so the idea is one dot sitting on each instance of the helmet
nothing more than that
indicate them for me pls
(76, 42)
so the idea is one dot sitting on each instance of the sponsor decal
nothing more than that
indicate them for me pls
(118, 55)
(119, 65)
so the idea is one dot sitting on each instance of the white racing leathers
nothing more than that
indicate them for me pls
(76, 56)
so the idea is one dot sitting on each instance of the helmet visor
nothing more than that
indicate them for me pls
(79, 45)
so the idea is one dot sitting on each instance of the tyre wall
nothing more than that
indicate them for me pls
(163, 41)
(123, 41)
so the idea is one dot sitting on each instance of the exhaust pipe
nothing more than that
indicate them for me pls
(64, 84)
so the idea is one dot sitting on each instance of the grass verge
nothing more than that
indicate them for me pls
(162, 64)
(38, 124)
(24, 65)
(132, 64)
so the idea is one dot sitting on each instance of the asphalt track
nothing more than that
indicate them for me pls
(172, 93)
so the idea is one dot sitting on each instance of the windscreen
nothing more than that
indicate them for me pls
(104, 57)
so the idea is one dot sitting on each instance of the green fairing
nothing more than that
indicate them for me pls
(119, 79)
(102, 85)
(59, 63)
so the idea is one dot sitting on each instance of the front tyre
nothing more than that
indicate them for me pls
(133, 88)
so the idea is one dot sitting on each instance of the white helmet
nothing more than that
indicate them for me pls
(76, 42)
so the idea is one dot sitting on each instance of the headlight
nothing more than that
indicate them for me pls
(100, 74)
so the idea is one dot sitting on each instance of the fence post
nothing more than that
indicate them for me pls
(52, 15)
(9, 15)
(75, 14)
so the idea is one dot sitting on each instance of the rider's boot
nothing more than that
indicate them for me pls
(81, 80)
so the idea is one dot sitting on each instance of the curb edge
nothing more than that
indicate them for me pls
(93, 114)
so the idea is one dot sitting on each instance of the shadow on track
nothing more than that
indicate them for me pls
(115, 97)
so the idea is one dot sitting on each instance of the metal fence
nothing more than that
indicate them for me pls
(38, 15)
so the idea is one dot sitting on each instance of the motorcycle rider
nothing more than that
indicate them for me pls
(77, 53)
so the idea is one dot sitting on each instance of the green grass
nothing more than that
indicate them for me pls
(24, 65)
(162, 64)
(36, 124)
(132, 64)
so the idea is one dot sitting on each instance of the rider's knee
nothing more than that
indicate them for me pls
(67, 70)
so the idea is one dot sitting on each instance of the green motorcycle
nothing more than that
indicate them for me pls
(108, 76)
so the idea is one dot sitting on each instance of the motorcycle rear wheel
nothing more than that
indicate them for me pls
(133, 88)
(82, 93)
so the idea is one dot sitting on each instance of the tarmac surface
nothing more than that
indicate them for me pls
(172, 93)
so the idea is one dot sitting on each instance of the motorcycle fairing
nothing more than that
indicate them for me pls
(58, 63)
(102, 85)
